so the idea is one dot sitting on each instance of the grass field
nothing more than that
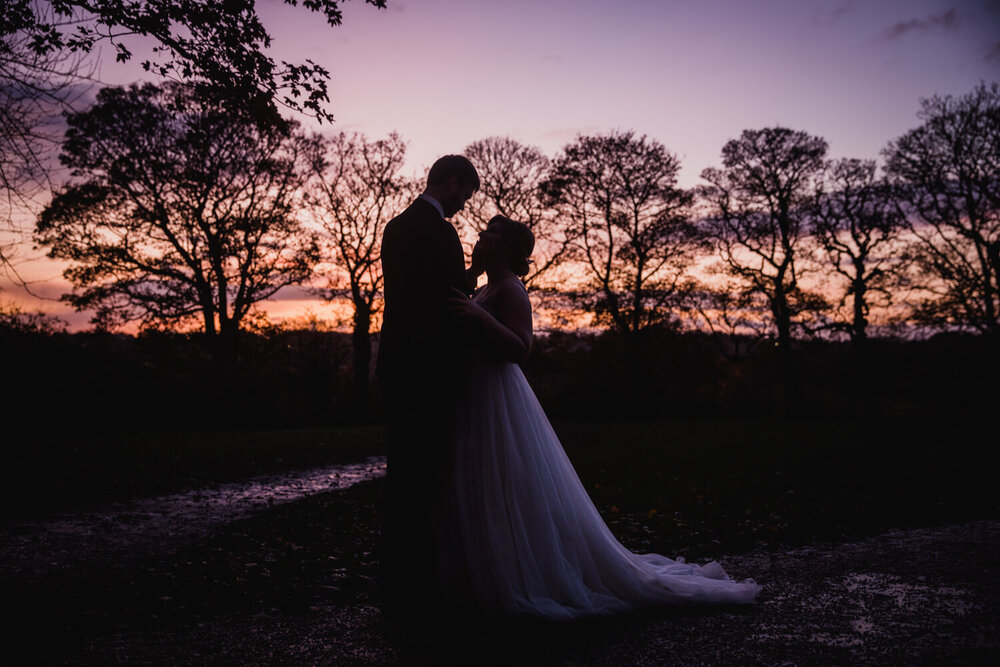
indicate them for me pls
(59, 469)
(695, 487)
(741, 482)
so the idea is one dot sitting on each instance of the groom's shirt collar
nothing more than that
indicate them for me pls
(433, 202)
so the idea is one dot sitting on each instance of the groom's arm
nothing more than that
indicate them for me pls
(472, 277)
(507, 336)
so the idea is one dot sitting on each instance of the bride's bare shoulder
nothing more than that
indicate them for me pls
(512, 289)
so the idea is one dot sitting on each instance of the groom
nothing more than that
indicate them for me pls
(420, 365)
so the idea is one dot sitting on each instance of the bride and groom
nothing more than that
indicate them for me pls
(483, 510)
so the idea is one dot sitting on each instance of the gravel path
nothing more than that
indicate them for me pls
(914, 597)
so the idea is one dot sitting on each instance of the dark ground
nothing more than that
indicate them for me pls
(878, 552)
(297, 584)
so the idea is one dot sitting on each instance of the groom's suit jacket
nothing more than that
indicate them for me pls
(422, 258)
(421, 364)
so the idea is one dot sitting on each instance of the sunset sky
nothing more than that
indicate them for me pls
(690, 74)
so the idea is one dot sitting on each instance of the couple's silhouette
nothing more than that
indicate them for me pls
(483, 510)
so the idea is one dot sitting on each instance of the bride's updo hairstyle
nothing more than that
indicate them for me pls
(518, 241)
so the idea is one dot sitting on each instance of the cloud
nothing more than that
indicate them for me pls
(994, 54)
(841, 11)
(826, 16)
(943, 21)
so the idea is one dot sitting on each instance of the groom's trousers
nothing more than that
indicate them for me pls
(421, 423)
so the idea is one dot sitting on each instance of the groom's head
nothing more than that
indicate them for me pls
(452, 180)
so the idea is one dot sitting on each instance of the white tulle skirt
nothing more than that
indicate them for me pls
(534, 543)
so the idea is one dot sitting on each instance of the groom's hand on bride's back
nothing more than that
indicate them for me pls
(461, 307)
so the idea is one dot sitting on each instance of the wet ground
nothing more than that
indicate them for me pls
(225, 576)
(129, 528)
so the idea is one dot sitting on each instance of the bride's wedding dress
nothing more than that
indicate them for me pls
(534, 542)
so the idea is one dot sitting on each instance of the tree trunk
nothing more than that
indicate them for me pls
(208, 316)
(361, 344)
(229, 331)
(637, 309)
(783, 323)
(619, 320)
(782, 317)
(993, 287)
(859, 328)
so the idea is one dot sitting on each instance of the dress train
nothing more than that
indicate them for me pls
(533, 541)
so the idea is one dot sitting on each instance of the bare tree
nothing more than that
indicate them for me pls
(857, 225)
(182, 211)
(629, 222)
(511, 175)
(759, 201)
(947, 172)
(730, 315)
(358, 189)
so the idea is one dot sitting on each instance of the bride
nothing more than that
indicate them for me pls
(532, 541)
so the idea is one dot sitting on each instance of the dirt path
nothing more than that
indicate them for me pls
(134, 528)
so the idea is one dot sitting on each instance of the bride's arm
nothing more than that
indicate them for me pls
(509, 334)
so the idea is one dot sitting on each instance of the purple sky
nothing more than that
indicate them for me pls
(691, 74)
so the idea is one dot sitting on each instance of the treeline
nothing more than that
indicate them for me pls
(183, 214)
(163, 381)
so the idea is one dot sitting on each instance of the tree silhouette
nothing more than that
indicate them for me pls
(730, 315)
(857, 226)
(183, 210)
(15, 320)
(358, 189)
(759, 202)
(35, 88)
(511, 175)
(214, 45)
(617, 195)
(47, 62)
(947, 172)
